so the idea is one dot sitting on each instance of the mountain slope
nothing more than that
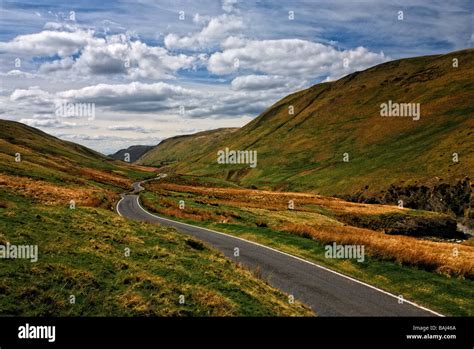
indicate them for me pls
(135, 152)
(81, 253)
(189, 147)
(305, 150)
(81, 248)
(52, 170)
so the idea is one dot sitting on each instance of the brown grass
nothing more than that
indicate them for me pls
(171, 209)
(105, 177)
(50, 194)
(276, 200)
(271, 208)
(430, 255)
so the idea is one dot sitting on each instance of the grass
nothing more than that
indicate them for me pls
(327, 219)
(82, 253)
(46, 160)
(423, 271)
(303, 152)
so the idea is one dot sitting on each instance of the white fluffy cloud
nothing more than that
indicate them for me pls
(113, 54)
(47, 121)
(49, 43)
(131, 128)
(113, 94)
(216, 30)
(117, 54)
(19, 74)
(262, 82)
(33, 95)
(292, 57)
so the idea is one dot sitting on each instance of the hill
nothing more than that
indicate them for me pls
(81, 253)
(186, 147)
(52, 170)
(82, 266)
(337, 143)
(134, 151)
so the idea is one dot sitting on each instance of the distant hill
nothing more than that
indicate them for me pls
(134, 151)
(337, 143)
(52, 170)
(81, 250)
(186, 147)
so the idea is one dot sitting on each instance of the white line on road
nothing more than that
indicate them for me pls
(295, 257)
(117, 207)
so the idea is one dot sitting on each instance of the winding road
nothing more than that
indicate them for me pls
(327, 292)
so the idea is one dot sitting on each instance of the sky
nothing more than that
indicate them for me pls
(149, 70)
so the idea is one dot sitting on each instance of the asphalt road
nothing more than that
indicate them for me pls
(327, 292)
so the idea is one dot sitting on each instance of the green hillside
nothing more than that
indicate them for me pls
(191, 147)
(82, 253)
(81, 248)
(48, 158)
(305, 151)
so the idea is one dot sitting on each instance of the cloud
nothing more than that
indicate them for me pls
(228, 5)
(49, 43)
(47, 121)
(33, 95)
(19, 73)
(216, 30)
(261, 82)
(293, 58)
(250, 95)
(117, 54)
(158, 97)
(57, 65)
(133, 128)
(70, 27)
(233, 42)
(116, 94)
(112, 54)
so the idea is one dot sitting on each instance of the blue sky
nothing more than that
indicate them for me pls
(154, 69)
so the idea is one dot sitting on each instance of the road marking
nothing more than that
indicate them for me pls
(295, 257)
(117, 207)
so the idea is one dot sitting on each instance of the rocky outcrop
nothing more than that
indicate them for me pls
(456, 200)
(442, 226)
(429, 224)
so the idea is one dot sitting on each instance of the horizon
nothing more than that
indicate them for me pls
(199, 131)
(154, 71)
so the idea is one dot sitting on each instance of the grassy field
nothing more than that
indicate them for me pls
(426, 271)
(82, 252)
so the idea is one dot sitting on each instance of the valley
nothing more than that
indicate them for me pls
(434, 272)
(388, 158)
(387, 194)
(90, 261)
